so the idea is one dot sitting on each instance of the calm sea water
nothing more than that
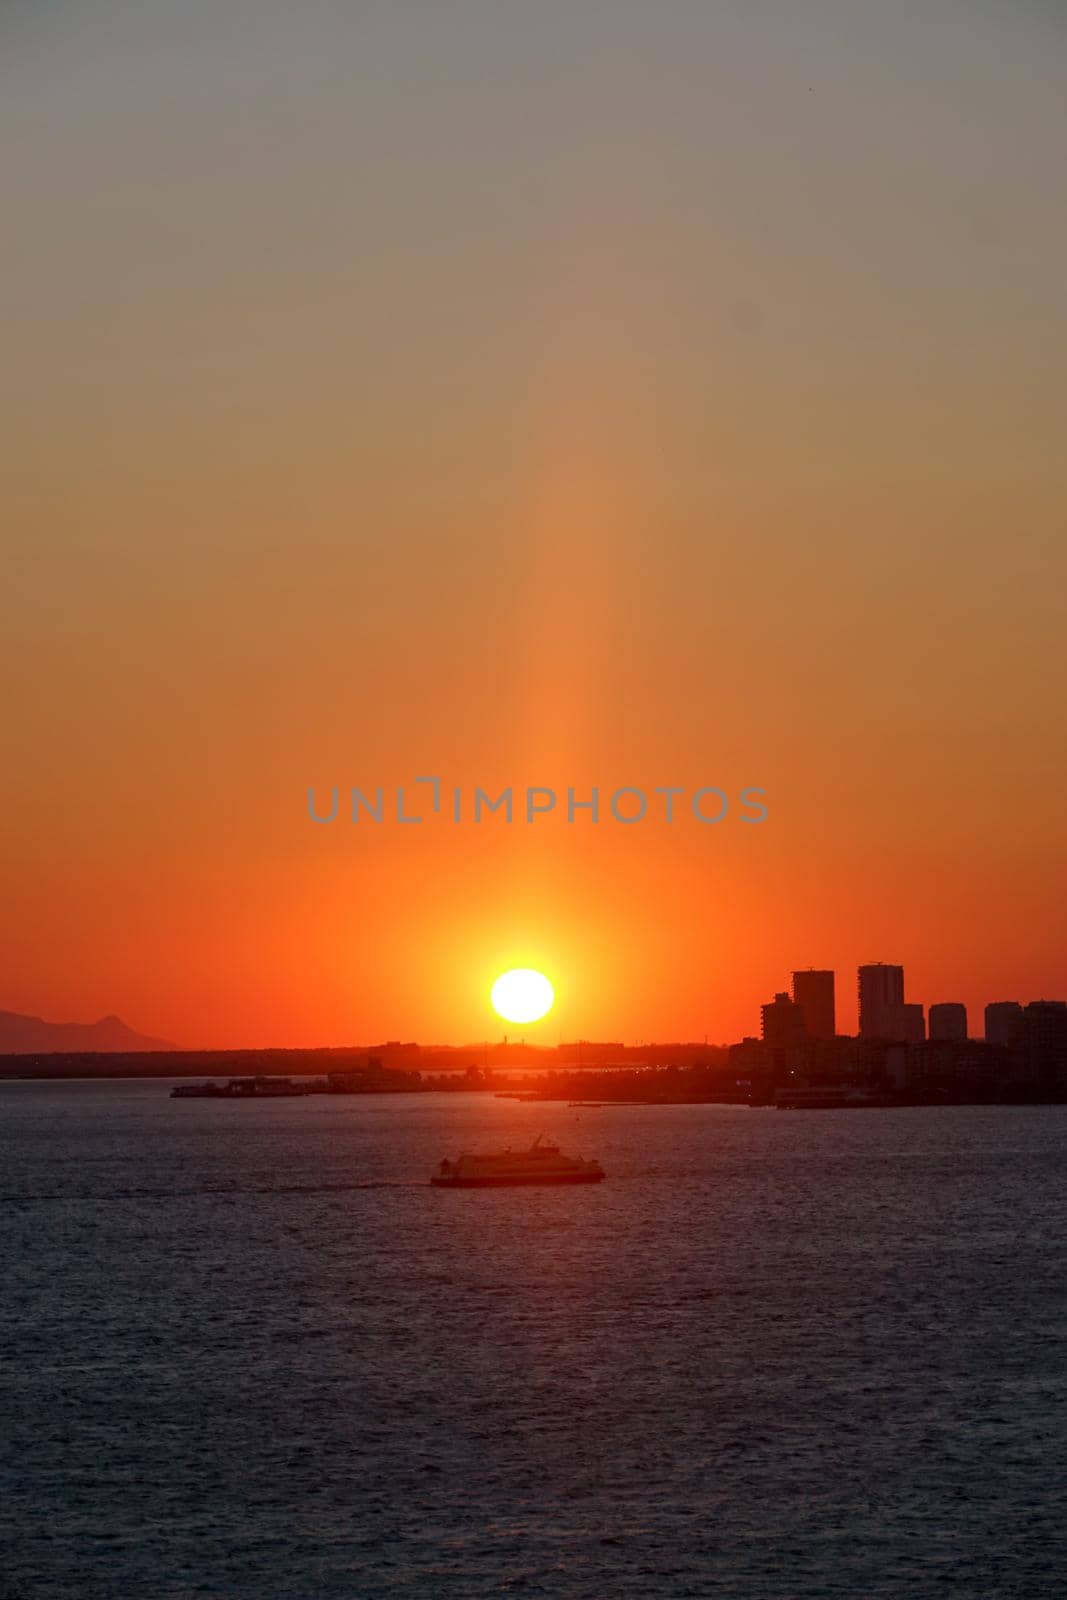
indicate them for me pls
(248, 1352)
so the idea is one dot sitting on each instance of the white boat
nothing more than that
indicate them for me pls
(541, 1163)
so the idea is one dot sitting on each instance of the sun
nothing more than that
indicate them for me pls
(522, 995)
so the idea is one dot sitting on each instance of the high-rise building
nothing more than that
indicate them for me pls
(1042, 1046)
(782, 1023)
(911, 1025)
(881, 990)
(1003, 1022)
(948, 1020)
(813, 991)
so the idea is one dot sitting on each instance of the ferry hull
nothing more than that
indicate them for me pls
(515, 1182)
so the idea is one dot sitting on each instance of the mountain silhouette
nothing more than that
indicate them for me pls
(33, 1036)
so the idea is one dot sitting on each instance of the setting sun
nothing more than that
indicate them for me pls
(522, 995)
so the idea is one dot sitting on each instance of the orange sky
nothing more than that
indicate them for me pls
(676, 399)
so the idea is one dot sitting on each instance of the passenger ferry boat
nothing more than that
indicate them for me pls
(541, 1163)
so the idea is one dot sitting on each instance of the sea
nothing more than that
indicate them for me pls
(248, 1353)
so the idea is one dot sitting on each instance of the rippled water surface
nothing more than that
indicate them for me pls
(248, 1352)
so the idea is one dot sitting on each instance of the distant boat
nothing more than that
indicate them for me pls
(541, 1163)
(828, 1098)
